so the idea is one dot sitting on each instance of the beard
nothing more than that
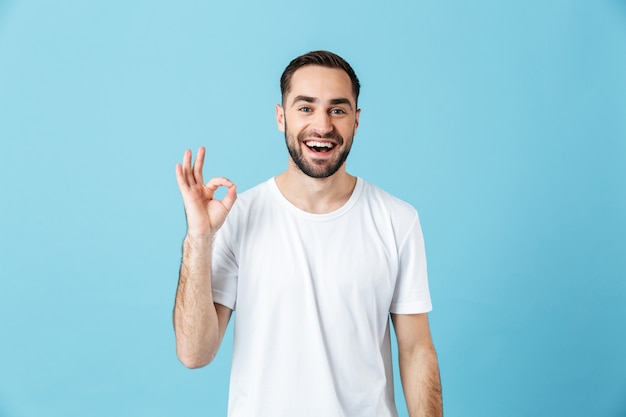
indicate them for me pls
(316, 168)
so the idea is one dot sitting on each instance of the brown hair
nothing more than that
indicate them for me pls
(324, 59)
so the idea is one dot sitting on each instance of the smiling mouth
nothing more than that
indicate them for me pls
(318, 146)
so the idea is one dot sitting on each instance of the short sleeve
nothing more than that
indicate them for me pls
(224, 269)
(412, 295)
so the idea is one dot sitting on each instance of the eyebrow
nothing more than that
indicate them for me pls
(334, 101)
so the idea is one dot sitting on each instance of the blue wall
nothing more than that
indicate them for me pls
(504, 123)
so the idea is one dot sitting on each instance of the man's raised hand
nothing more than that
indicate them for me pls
(205, 215)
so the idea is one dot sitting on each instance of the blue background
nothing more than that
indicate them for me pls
(503, 122)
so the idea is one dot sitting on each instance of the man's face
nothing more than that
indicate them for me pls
(319, 118)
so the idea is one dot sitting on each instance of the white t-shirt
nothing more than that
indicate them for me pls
(312, 294)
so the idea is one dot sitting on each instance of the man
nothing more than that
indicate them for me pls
(314, 261)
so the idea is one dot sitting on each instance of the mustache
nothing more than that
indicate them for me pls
(333, 135)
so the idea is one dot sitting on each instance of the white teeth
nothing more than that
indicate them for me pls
(313, 143)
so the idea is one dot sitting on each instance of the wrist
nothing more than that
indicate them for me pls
(199, 238)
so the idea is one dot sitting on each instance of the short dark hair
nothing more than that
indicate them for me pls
(324, 59)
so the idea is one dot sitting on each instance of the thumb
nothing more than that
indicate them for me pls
(230, 197)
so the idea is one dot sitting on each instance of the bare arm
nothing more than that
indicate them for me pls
(199, 323)
(419, 369)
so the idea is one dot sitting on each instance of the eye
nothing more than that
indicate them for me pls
(337, 111)
(305, 109)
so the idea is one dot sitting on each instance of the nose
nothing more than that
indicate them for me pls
(322, 123)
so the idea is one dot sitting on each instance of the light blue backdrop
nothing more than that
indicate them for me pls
(503, 122)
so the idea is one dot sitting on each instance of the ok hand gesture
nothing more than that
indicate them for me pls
(205, 215)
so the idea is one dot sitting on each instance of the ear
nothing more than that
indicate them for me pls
(280, 118)
(356, 120)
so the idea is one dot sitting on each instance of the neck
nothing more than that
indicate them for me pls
(316, 195)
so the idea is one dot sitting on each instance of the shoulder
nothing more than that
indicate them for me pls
(246, 210)
(389, 211)
(384, 207)
(253, 196)
(396, 208)
(252, 203)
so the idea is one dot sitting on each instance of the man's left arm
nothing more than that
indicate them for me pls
(419, 369)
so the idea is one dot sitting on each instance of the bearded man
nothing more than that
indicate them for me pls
(315, 262)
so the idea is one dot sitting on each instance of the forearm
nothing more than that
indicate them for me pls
(196, 322)
(419, 371)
